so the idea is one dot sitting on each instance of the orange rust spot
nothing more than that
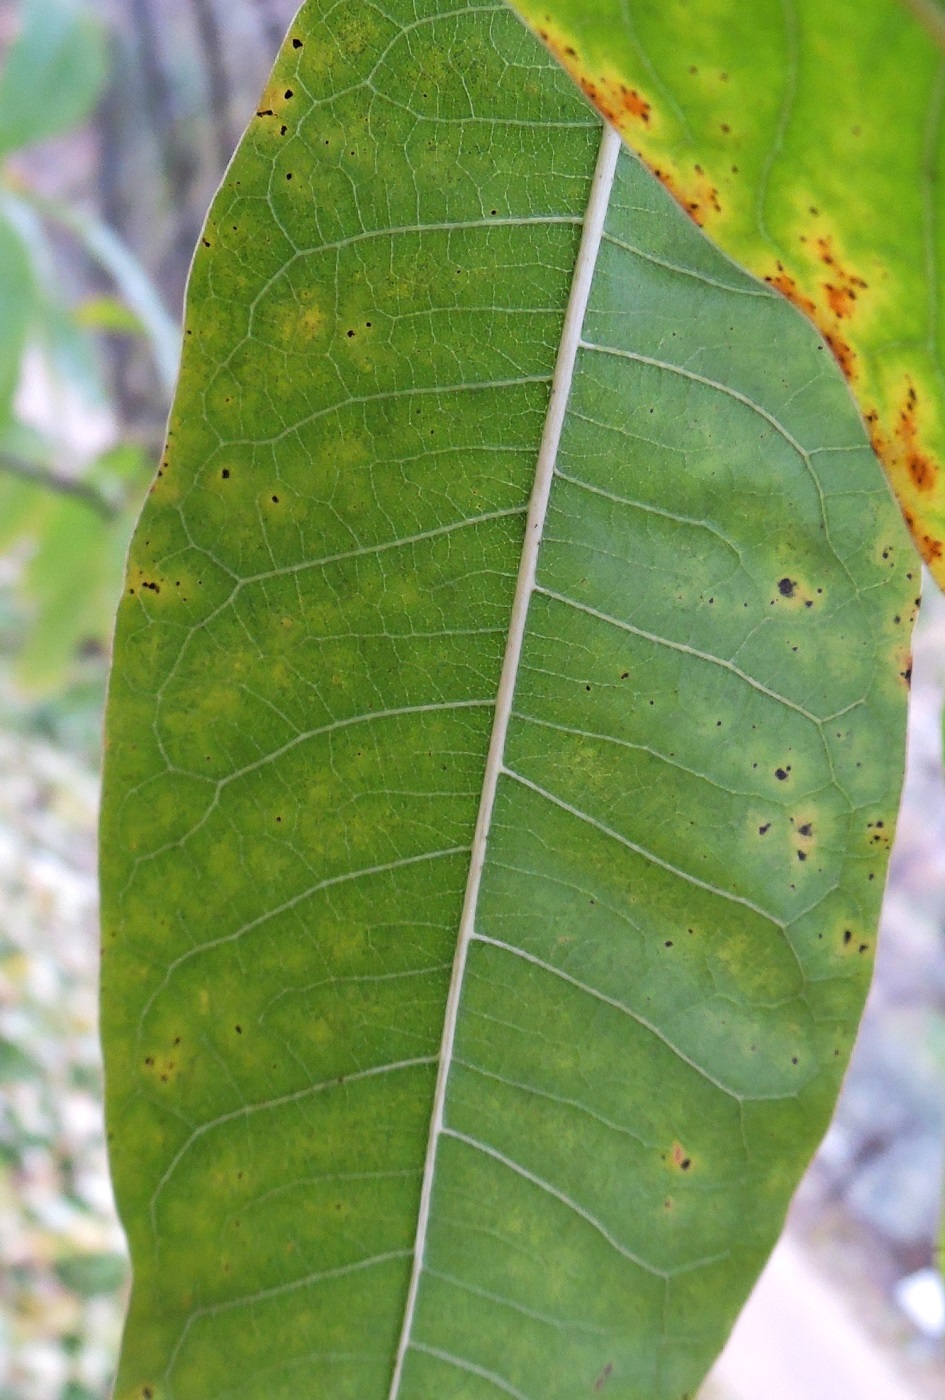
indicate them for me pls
(635, 105)
(844, 287)
(911, 469)
(842, 353)
(631, 112)
(619, 104)
(681, 1157)
(923, 472)
(788, 287)
(699, 199)
(825, 318)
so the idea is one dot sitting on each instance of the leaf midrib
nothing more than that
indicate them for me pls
(584, 269)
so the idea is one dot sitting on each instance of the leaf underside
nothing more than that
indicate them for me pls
(808, 140)
(674, 930)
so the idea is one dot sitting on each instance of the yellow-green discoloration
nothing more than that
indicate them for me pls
(808, 143)
(685, 859)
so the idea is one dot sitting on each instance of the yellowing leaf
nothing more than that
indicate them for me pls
(807, 139)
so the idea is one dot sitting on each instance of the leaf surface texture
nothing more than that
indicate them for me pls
(489, 887)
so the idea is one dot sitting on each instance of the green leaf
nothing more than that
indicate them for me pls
(91, 1275)
(17, 300)
(489, 891)
(107, 314)
(72, 581)
(140, 295)
(54, 72)
(48, 323)
(15, 1063)
(809, 141)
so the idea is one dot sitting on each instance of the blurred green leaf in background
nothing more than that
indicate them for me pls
(69, 485)
(73, 471)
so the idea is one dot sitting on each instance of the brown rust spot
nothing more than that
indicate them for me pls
(923, 472)
(633, 114)
(844, 287)
(843, 354)
(617, 103)
(680, 1157)
(623, 106)
(787, 286)
(698, 197)
(913, 472)
(825, 318)
(829, 303)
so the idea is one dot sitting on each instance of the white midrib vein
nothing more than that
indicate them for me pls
(584, 268)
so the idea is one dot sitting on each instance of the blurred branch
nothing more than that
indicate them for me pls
(208, 31)
(61, 485)
(272, 25)
(178, 159)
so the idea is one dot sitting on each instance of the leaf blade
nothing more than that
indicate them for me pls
(300, 719)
